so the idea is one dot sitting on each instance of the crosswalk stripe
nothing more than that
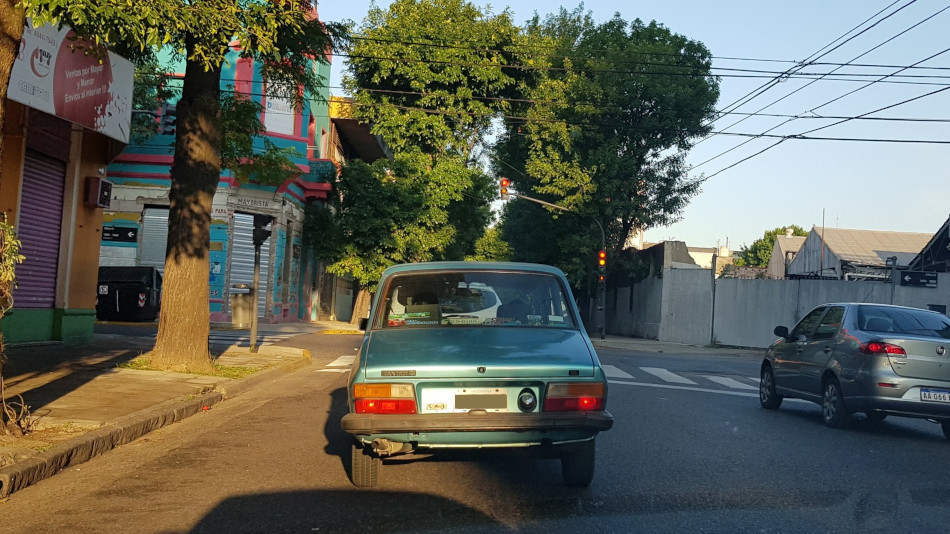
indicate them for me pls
(730, 382)
(342, 361)
(333, 370)
(615, 372)
(667, 376)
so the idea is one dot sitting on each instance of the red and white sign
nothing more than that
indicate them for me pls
(57, 74)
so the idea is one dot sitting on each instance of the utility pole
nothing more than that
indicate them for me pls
(600, 313)
(261, 233)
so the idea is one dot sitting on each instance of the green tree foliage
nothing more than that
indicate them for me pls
(490, 247)
(759, 252)
(606, 126)
(422, 84)
(283, 38)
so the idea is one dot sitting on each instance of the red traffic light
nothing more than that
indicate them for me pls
(602, 258)
(504, 183)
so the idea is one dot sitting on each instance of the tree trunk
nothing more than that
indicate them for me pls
(184, 323)
(11, 31)
(361, 307)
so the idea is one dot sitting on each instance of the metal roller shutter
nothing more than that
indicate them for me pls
(40, 220)
(154, 238)
(242, 258)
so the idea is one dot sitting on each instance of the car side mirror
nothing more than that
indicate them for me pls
(364, 321)
(781, 331)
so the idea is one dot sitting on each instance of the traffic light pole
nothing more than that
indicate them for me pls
(601, 283)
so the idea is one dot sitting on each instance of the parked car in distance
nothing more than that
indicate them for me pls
(436, 371)
(855, 357)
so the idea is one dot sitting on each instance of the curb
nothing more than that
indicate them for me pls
(126, 430)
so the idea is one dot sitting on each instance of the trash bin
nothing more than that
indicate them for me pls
(241, 305)
(128, 294)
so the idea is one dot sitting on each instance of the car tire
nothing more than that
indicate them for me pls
(833, 411)
(875, 417)
(364, 467)
(945, 425)
(768, 398)
(577, 465)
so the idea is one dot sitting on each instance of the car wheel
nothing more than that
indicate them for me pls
(833, 410)
(875, 417)
(364, 468)
(945, 425)
(577, 465)
(768, 398)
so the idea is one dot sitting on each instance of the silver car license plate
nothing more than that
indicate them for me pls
(935, 395)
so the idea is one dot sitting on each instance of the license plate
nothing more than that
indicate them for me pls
(935, 395)
(460, 400)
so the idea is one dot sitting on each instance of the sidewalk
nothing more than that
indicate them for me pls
(82, 404)
(637, 344)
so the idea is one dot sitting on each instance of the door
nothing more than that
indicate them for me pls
(788, 354)
(242, 258)
(38, 227)
(818, 349)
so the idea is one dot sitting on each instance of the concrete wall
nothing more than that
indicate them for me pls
(687, 306)
(677, 306)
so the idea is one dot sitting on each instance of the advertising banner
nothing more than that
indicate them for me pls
(60, 75)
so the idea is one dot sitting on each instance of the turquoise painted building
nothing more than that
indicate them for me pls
(292, 281)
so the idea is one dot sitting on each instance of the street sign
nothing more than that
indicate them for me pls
(919, 279)
(120, 233)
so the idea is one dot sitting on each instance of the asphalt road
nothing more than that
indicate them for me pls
(691, 451)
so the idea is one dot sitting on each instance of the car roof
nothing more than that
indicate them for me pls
(472, 266)
(876, 305)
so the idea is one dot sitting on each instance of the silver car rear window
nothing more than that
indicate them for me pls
(884, 319)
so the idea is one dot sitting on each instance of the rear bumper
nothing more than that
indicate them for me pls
(369, 424)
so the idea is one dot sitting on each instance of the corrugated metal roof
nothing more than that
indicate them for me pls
(789, 244)
(873, 247)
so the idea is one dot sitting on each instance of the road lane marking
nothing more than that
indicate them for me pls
(667, 376)
(701, 390)
(615, 372)
(730, 383)
(333, 370)
(342, 361)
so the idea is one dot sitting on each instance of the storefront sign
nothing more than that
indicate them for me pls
(251, 202)
(57, 74)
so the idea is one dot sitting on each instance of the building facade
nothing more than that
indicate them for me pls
(67, 118)
(291, 284)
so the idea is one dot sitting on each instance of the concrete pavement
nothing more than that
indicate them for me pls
(83, 402)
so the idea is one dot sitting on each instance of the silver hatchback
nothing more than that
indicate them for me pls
(872, 358)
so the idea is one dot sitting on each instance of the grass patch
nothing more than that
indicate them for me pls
(142, 363)
(234, 371)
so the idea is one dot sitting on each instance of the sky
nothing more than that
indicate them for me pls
(873, 184)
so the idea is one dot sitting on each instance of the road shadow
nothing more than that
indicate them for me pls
(342, 511)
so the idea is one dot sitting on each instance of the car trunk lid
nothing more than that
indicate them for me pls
(509, 352)
(926, 357)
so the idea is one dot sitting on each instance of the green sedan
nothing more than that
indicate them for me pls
(474, 355)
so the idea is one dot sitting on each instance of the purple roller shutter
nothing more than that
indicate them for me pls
(41, 214)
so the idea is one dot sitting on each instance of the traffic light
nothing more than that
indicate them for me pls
(261, 233)
(169, 115)
(602, 260)
(503, 184)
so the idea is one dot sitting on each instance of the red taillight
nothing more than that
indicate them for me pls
(385, 406)
(575, 397)
(384, 398)
(879, 347)
(580, 404)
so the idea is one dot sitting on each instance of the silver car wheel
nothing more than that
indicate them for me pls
(833, 411)
(767, 396)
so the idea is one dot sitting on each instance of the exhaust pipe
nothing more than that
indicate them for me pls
(385, 447)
